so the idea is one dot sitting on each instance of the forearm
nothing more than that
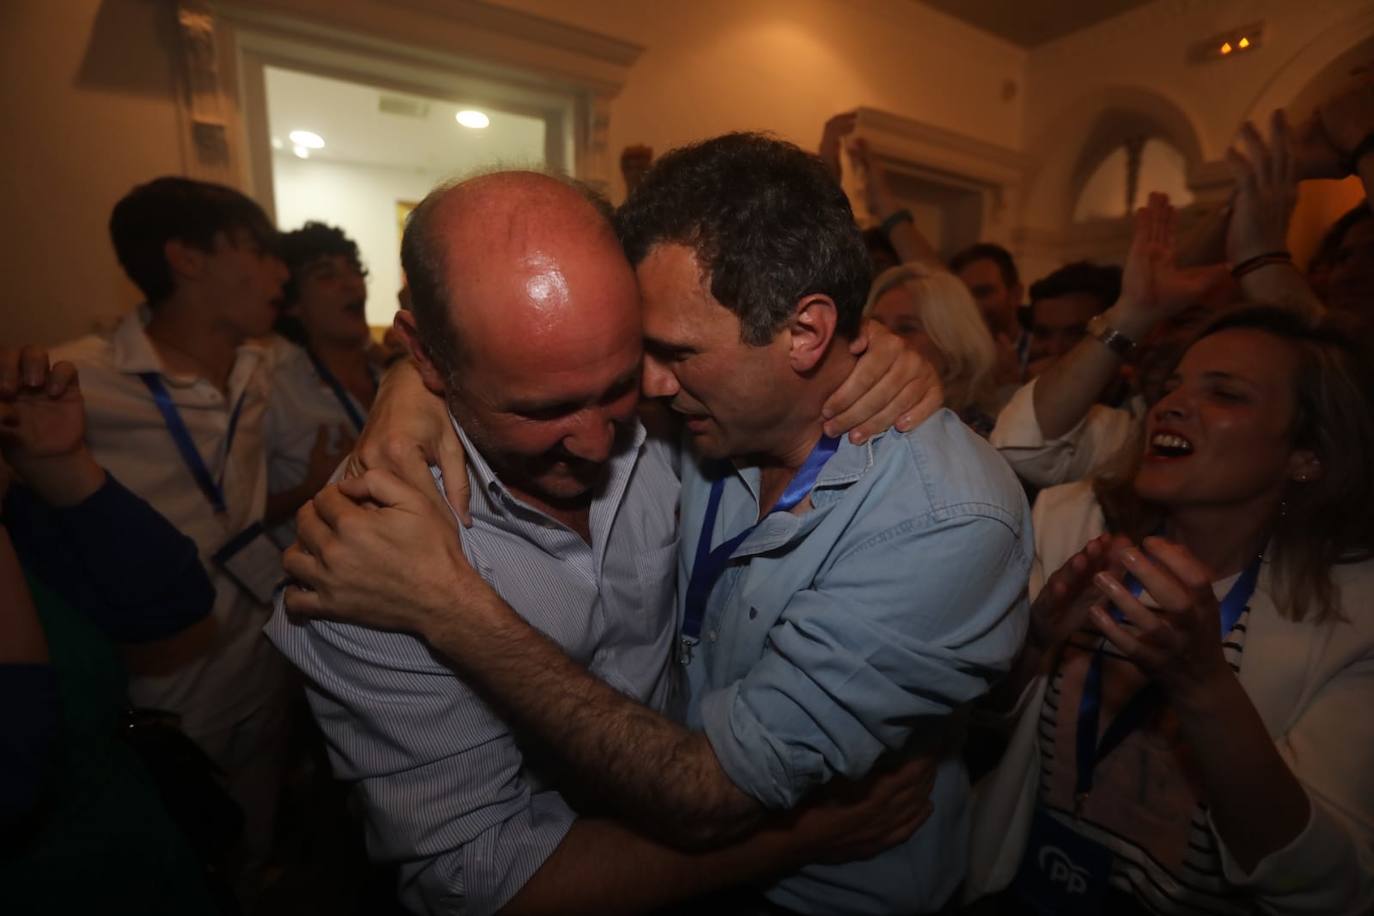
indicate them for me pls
(1281, 285)
(603, 867)
(653, 770)
(1067, 390)
(1255, 801)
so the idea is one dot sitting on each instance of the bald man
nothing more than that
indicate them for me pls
(526, 320)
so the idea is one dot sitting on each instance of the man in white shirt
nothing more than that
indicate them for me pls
(175, 401)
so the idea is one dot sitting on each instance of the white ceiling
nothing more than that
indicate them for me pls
(355, 130)
(1032, 22)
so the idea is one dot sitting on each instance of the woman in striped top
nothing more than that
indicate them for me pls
(1195, 735)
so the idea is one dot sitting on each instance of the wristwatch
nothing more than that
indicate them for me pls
(1110, 337)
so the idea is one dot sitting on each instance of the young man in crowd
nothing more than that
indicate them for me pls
(990, 273)
(175, 400)
(1061, 306)
(841, 600)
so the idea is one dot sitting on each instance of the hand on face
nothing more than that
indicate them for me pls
(375, 551)
(1177, 644)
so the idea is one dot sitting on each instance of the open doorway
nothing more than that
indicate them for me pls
(359, 156)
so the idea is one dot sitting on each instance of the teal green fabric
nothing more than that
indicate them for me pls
(103, 844)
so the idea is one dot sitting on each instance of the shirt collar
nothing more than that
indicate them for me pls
(134, 352)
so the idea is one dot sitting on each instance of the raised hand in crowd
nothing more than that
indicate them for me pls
(1266, 171)
(43, 427)
(895, 221)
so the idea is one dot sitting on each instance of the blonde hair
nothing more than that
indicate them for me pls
(956, 328)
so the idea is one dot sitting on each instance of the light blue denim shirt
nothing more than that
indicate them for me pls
(850, 630)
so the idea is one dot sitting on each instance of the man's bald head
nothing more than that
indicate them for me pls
(466, 239)
(525, 316)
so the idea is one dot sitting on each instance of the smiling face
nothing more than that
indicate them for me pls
(331, 300)
(733, 396)
(1222, 432)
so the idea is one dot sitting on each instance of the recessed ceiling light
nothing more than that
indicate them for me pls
(474, 119)
(306, 138)
(301, 151)
(277, 144)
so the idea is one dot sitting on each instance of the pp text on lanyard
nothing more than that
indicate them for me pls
(1088, 751)
(190, 455)
(710, 564)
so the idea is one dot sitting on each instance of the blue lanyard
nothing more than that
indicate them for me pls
(1139, 707)
(710, 564)
(337, 387)
(213, 489)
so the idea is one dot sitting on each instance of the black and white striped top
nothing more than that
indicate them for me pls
(1190, 885)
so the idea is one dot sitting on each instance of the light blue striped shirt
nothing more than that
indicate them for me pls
(851, 629)
(451, 798)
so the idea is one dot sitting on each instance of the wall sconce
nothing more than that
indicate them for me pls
(1227, 44)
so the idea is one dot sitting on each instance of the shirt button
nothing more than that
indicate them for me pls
(753, 612)
(712, 635)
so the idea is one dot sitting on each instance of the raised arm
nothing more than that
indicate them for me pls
(1266, 175)
(1153, 289)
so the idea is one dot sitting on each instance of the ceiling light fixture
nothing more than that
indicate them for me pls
(301, 152)
(306, 138)
(474, 119)
(1226, 47)
(1243, 43)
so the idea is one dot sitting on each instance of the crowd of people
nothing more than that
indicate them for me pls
(706, 553)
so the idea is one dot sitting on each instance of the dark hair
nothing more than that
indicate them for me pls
(1325, 521)
(1101, 281)
(193, 212)
(987, 251)
(301, 248)
(767, 221)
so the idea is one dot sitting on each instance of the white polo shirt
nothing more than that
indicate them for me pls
(301, 403)
(129, 437)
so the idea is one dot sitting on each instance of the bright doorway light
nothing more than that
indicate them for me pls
(474, 119)
(306, 138)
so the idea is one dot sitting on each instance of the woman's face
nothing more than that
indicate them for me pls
(331, 301)
(898, 311)
(1220, 433)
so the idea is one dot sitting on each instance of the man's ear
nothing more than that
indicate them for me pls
(404, 323)
(185, 261)
(811, 332)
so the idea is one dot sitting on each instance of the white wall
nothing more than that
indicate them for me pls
(87, 113)
(361, 200)
(711, 66)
